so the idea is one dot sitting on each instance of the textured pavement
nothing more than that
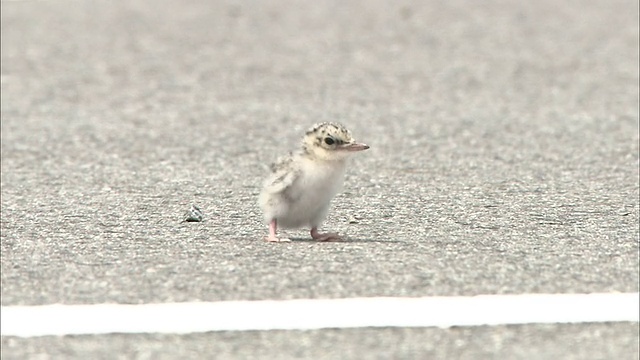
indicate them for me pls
(504, 159)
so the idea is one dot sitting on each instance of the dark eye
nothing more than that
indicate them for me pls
(329, 141)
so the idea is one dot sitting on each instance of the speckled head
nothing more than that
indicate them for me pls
(330, 141)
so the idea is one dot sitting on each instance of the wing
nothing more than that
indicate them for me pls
(284, 174)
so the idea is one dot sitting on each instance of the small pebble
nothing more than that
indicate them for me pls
(194, 214)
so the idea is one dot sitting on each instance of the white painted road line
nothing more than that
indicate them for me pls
(181, 318)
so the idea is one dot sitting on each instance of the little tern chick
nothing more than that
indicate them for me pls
(300, 187)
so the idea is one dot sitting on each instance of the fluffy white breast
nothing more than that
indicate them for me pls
(321, 180)
(310, 196)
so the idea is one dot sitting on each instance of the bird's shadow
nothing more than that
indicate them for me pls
(348, 240)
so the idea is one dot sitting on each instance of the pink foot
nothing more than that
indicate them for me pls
(275, 239)
(273, 226)
(324, 237)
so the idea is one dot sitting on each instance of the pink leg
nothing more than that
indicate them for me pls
(273, 227)
(324, 237)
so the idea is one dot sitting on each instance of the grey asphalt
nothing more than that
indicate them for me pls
(503, 160)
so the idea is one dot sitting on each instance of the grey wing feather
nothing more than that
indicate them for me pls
(284, 173)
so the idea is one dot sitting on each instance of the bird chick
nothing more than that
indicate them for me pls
(300, 187)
